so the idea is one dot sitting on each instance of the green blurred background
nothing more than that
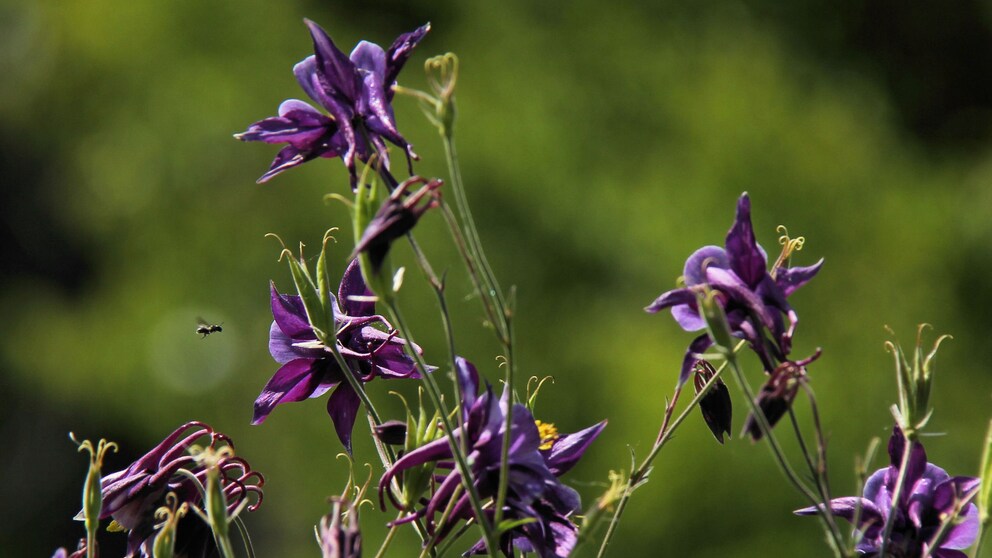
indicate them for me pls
(601, 144)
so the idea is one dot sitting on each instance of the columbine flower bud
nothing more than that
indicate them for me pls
(396, 217)
(715, 406)
(392, 432)
(339, 535)
(165, 540)
(93, 489)
(777, 394)
(715, 317)
(914, 380)
(442, 73)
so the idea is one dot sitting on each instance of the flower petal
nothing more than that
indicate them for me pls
(791, 278)
(695, 267)
(353, 285)
(746, 258)
(846, 507)
(568, 449)
(671, 298)
(337, 71)
(698, 346)
(293, 382)
(963, 534)
(290, 314)
(398, 53)
(343, 406)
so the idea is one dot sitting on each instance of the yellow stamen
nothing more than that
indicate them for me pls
(548, 433)
(789, 245)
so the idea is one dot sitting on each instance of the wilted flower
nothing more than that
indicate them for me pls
(397, 216)
(715, 406)
(339, 534)
(132, 496)
(753, 299)
(929, 498)
(777, 394)
(534, 490)
(356, 92)
(310, 370)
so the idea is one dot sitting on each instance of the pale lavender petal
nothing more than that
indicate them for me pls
(729, 283)
(695, 267)
(687, 316)
(847, 507)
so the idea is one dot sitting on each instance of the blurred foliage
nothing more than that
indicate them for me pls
(600, 146)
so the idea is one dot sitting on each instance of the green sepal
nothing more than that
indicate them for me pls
(316, 313)
(509, 524)
(323, 281)
(716, 321)
(366, 205)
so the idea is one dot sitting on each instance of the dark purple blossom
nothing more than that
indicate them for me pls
(929, 495)
(777, 394)
(534, 490)
(753, 298)
(396, 217)
(131, 496)
(357, 93)
(310, 370)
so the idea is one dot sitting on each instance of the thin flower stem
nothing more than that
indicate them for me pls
(224, 545)
(389, 539)
(816, 471)
(778, 455)
(455, 495)
(985, 492)
(492, 290)
(639, 473)
(449, 430)
(896, 494)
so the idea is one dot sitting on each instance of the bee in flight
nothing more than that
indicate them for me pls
(205, 329)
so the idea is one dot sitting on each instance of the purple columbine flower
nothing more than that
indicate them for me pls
(356, 92)
(929, 495)
(753, 298)
(131, 496)
(534, 490)
(310, 370)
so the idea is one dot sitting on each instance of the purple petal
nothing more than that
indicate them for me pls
(290, 314)
(287, 158)
(746, 259)
(398, 53)
(846, 507)
(337, 71)
(343, 406)
(695, 267)
(727, 282)
(790, 279)
(698, 346)
(295, 381)
(688, 318)
(353, 285)
(298, 124)
(468, 382)
(963, 534)
(671, 298)
(948, 553)
(283, 349)
(568, 449)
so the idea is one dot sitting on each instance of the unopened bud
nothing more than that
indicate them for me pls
(715, 406)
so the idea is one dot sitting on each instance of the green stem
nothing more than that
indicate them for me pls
(817, 472)
(778, 454)
(896, 493)
(387, 541)
(435, 395)
(224, 544)
(639, 473)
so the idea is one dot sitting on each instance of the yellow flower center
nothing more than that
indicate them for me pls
(548, 433)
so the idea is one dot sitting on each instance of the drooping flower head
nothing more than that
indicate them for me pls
(357, 93)
(131, 496)
(752, 296)
(929, 496)
(534, 490)
(310, 370)
(396, 217)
